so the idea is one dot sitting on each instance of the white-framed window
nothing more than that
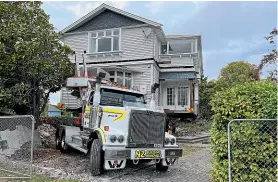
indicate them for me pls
(104, 41)
(178, 46)
(121, 77)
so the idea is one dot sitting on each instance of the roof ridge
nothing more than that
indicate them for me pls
(103, 6)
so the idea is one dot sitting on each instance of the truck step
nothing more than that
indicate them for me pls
(77, 147)
(85, 137)
(77, 140)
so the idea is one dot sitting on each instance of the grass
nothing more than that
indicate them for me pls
(39, 179)
(48, 179)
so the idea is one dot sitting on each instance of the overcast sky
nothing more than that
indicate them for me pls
(230, 30)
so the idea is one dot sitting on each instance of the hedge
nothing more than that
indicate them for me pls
(56, 121)
(250, 100)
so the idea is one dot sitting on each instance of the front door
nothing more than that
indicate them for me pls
(176, 98)
(170, 98)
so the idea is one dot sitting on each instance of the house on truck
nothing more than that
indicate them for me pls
(136, 53)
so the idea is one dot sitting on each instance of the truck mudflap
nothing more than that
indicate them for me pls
(142, 153)
(114, 164)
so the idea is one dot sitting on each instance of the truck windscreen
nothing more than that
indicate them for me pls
(110, 97)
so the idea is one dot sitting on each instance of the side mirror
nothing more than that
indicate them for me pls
(101, 75)
(154, 87)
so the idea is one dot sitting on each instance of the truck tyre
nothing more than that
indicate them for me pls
(64, 147)
(57, 142)
(96, 158)
(160, 167)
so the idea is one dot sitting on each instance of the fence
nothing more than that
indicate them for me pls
(16, 147)
(252, 150)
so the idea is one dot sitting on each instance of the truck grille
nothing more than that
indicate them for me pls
(146, 129)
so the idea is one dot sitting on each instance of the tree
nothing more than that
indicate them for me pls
(45, 110)
(252, 141)
(271, 58)
(33, 61)
(207, 90)
(235, 73)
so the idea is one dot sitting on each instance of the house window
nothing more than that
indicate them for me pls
(121, 77)
(179, 46)
(104, 41)
(163, 48)
(183, 96)
(170, 96)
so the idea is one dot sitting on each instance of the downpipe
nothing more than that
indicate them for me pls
(153, 89)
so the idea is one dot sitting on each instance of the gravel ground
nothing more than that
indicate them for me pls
(193, 167)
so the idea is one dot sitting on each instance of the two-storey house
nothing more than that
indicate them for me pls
(136, 53)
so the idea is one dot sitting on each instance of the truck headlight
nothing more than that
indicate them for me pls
(113, 138)
(173, 141)
(167, 141)
(121, 138)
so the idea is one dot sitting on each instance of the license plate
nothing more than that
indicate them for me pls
(147, 154)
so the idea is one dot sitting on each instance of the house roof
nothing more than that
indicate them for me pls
(52, 108)
(102, 8)
(182, 36)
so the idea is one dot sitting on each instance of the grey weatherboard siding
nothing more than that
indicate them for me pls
(106, 20)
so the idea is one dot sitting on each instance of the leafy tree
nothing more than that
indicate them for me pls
(33, 61)
(235, 73)
(45, 110)
(207, 90)
(254, 142)
(271, 58)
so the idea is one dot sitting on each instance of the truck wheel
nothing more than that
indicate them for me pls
(64, 147)
(96, 158)
(160, 167)
(57, 142)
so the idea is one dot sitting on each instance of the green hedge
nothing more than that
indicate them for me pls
(250, 100)
(56, 121)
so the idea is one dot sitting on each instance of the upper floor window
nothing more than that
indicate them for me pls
(179, 46)
(104, 41)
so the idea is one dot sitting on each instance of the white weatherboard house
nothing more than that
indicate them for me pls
(136, 53)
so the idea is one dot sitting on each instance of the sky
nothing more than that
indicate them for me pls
(231, 31)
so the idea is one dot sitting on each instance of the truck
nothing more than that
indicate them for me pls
(117, 126)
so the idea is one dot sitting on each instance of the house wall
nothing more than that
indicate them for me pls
(134, 45)
(70, 101)
(176, 61)
(142, 79)
(54, 113)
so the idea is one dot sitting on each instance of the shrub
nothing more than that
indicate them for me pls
(250, 100)
(56, 121)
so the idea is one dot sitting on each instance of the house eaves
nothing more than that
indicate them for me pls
(182, 36)
(102, 8)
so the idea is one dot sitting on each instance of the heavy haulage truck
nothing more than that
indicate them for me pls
(117, 125)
